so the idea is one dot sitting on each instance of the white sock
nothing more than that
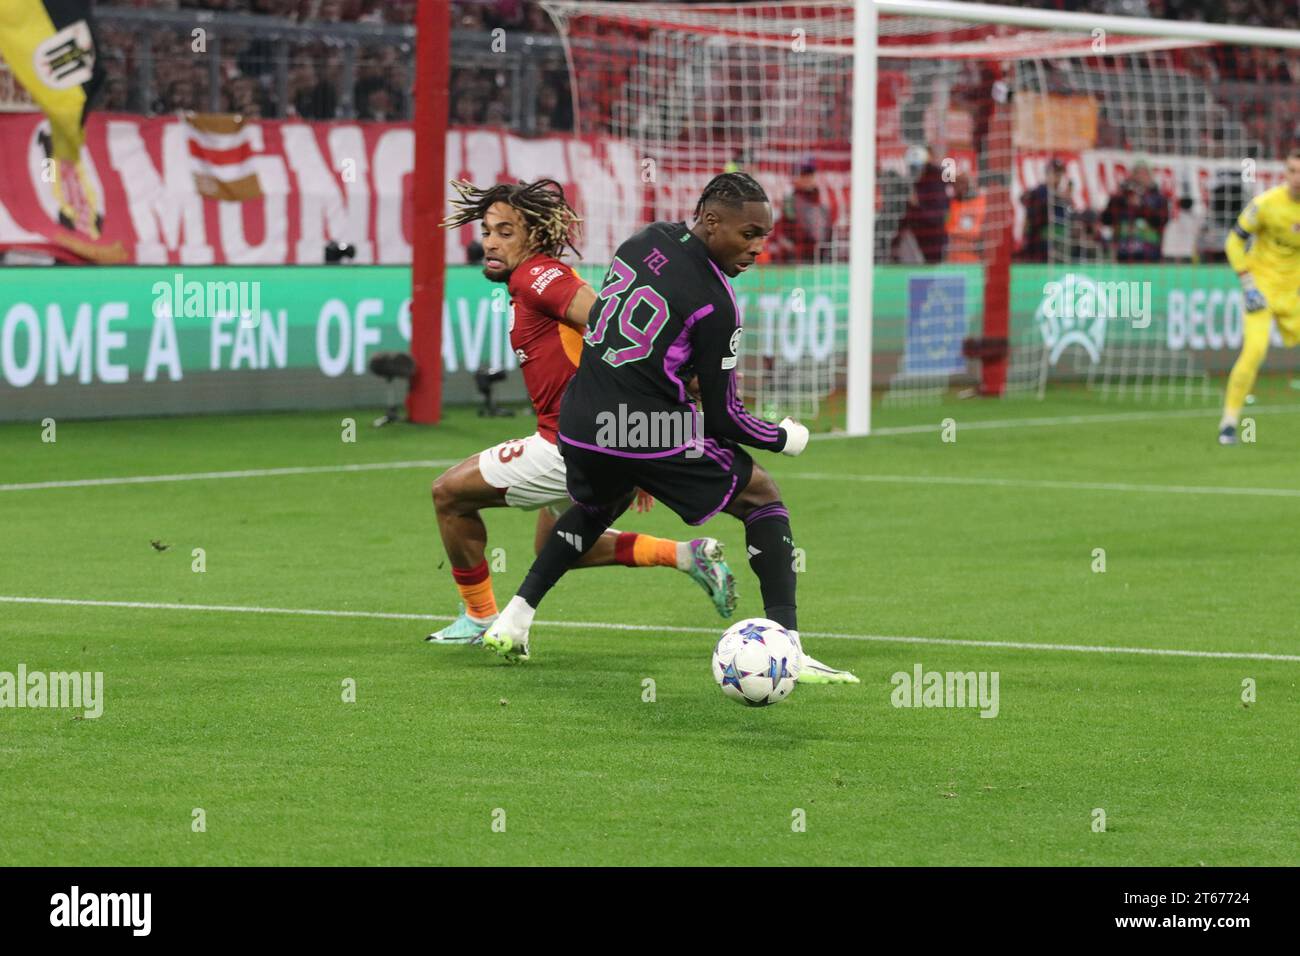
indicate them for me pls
(684, 560)
(481, 620)
(1227, 420)
(519, 613)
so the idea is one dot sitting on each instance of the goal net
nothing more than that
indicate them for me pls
(1050, 202)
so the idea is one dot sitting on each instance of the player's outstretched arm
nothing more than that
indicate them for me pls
(715, 345)
(580, 305)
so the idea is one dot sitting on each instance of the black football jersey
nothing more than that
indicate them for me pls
(664, 310)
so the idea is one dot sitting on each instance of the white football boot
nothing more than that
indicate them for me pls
(508, 635)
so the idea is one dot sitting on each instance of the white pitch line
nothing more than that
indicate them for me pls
(1048, 421)
(215, 475)
(805, 476)
(605, 626)
(880, 432)
(1050, 484)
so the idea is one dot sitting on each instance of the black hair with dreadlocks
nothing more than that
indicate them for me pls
(551, 221)
(733, 218)
(730, 189)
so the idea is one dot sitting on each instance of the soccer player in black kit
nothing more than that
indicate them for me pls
(666, 310)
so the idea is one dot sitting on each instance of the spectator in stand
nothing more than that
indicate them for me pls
(965, 224)
(497, 115)
(487, 85)
(804, 228)
(921, 236)
(1179, 243)
(248, 98)
(398, 79)
(508, 14)
(466, 111)
(309, 97)
(397, 11)
(258, 57)
(329, 11)
(558, 112)
(1137, 215)
(179, 96)
(203, 90)
(1049, 208)
(462, 79)
(374, 97)
(114, 97)
(468, 17)
(377, 106)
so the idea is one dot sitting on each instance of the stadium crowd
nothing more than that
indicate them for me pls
(943, 225)
(179, 80)
(484, 94)
(481, 95)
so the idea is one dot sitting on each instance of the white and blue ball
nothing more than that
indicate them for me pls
(757, 662)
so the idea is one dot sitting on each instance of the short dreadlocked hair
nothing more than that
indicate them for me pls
(552, 223)
(730, 189)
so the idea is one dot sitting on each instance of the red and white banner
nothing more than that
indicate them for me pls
(173, 191)
(166, 188)
(300, 185)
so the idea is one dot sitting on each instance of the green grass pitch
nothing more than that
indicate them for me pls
(990, 538)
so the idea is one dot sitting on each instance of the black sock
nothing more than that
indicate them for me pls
(575, 533)
(771, 555)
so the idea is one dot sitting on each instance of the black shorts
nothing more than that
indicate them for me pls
(696, 485)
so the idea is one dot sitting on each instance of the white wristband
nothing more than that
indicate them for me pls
(796, 437)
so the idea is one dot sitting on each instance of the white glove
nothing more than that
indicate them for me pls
(796, 436)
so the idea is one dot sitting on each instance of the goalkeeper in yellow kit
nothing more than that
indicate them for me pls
(1264, 248)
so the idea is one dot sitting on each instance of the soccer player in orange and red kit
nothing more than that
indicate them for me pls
(525, 229)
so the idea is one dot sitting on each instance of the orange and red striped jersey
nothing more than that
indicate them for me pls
(541, 288)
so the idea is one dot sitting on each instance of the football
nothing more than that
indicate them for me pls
(757, 662)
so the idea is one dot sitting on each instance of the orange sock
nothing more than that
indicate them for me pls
(475, 586)
(645, 551)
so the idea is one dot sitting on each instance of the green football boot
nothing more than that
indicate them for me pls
(463, 630)
(710, 571)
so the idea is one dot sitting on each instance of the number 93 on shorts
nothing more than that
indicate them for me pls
(529, 470)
